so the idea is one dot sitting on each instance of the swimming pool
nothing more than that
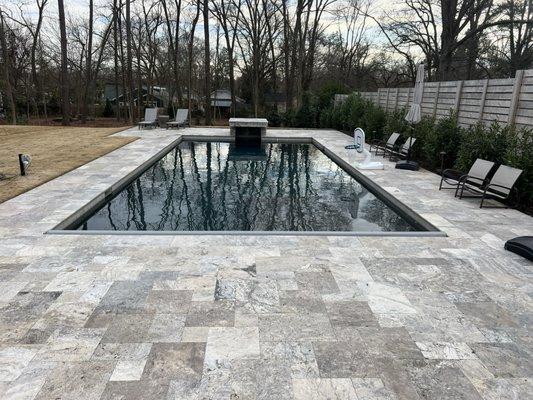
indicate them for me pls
(212, 186)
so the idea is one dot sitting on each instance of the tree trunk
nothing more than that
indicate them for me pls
(189, 51)
(65, 101)
(88, 66)
(37, 89)
(140, 96)
(207, 64)
(116, 15)
(129, 71)
(6, 66)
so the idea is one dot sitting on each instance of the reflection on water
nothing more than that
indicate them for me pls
(212, 186)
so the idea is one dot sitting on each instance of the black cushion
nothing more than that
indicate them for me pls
(522, 245)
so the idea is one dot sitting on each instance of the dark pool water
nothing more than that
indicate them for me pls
(212, 186)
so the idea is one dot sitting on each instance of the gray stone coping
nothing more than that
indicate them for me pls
(248, 122)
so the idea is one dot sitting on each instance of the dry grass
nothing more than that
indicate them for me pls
(54, 151)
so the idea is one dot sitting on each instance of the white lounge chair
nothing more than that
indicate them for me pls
(181, 119)
(150, 118)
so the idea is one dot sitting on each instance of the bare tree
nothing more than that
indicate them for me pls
(116, 16)
(190, 47)
(88, 65)
(35, 30)
(517, 35)
(129, 62)
(227, 13)
(173, 42)
(7, 68)
(207, 63)
(65, 100)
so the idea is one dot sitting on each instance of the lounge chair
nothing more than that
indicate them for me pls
(499, 188)
(182, 118)
(403, 151)
(477, 175)
(380, 145)
(150, 118)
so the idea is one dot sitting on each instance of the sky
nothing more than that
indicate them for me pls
(79, 9)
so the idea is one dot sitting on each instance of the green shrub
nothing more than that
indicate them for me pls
(274, 119)
(519, 154)
(287, 118)
(351, 112)
(497, 143)
(395, 122)
(373, 121)
(305, 115)
(480, 141)
(444, 134)
(325, 118)
(326, 94)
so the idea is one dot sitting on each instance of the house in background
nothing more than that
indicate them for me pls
(221, 103)
(275, 101)
(153, 96)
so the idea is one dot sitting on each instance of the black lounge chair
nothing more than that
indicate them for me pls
(380, 145)
(499, 188)
(404, 151)
(476, 176)
(522, 245)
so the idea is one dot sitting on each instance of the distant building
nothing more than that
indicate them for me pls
(153, 96)
(221, 102)
(275, 100)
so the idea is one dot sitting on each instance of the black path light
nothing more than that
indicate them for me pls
(24, 163)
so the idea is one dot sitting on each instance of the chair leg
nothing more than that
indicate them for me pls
(441, 179)
(462, 189)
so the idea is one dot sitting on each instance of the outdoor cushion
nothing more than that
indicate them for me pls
(522, 245)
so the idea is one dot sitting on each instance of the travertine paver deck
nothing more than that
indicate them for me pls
(212, 317)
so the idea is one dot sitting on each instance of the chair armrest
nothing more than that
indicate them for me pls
(453, 174)
(466, 177)
(451, 170)
(496, 185)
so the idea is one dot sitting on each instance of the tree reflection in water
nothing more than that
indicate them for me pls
(210, 186)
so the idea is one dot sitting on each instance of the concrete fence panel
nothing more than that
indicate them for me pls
(508, 101)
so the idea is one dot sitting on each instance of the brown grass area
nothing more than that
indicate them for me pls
(54, 151)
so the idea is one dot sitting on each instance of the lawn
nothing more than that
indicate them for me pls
(54, 151)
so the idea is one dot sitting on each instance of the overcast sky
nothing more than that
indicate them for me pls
(79, 9)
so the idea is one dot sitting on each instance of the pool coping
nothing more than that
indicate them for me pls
(94, 204)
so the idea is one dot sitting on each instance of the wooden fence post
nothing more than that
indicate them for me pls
(457, 102)
(387, 101)
(515, 97)
(482, 101)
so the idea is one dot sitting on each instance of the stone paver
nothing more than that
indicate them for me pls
(262, 317)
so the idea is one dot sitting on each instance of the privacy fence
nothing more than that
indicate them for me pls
(508, 101)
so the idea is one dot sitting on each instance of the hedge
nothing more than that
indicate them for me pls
(498, 143)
